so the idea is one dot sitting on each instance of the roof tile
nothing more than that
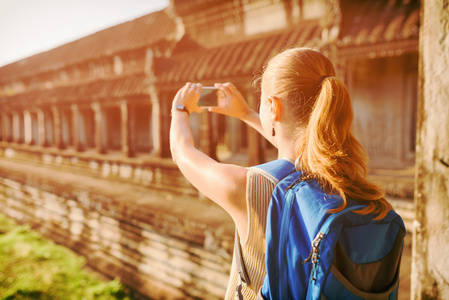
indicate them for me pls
(237, 59)
(378, 21)
(102, 89)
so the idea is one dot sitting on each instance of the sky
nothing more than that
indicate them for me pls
(28, 27)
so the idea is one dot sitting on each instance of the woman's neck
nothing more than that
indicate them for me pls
(286, 148)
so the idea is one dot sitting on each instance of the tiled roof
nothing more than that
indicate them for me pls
(378, 21)
(147, 30)
(233, 60)
(130, 86)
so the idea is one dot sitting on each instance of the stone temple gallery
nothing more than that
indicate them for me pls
(84, 149)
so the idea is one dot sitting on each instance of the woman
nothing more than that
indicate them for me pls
(305, 111)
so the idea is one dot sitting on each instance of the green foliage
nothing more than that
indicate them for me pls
(32, 267)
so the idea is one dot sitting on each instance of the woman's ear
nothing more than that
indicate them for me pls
(275, 107)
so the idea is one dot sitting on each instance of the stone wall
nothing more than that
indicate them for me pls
(163, 245)
(430, 266)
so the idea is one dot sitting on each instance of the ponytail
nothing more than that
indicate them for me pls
(331, 153)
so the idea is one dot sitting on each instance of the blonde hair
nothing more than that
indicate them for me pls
(304, 80)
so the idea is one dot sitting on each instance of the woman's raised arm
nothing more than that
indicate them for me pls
(224, 184)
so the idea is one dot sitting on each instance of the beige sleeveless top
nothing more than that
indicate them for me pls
(259, 188)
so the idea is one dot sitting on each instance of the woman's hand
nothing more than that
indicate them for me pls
(236, 105)
(188, 96)
(238, 108)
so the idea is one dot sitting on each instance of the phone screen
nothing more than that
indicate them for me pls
(211, 97)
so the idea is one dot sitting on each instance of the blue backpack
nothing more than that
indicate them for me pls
(312, 254)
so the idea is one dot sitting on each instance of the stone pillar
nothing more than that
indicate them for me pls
(14, 128)
(156, 121)
(2, 127)
(49, 127)
(41, 128)
(256, 153)
(100, 128)
(341, 70)
(6, 131)
(164, 126)
(128, 129)
(157, 117)
(27, 126)
(77, 126)
(57, 127)
(430, 259)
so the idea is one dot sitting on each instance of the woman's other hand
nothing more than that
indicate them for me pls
(238, 108)
(236, 105)
(188, 96)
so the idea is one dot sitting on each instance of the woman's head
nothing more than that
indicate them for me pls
(293, 76)
(320, 112)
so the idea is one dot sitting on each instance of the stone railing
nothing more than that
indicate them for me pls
(145, 170)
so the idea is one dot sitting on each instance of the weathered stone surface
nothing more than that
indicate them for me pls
(160, 244)
(430, 266)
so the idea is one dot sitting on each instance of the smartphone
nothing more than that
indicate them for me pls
(211, 97)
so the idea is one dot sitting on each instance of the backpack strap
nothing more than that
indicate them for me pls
(274, 171)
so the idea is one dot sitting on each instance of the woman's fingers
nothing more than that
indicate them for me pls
(188, 96)
(192, 97)
(193, 105)
(236, 105)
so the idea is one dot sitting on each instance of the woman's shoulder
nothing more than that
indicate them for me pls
(274, 170)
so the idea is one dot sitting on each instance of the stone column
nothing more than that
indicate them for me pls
(57, 127)
(6, 135)
(2, 126)
(77, 126)
(256, 153)
(157, 117)
(156, 121)
(100, 128)
(341, 68)
(128, 129)
(164, 126)
(430, 259)
(27, 126)
(41, 128)
(14, 128)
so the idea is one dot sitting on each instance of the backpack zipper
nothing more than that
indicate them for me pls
(282, 271)
(314, 254)
(302, 178)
